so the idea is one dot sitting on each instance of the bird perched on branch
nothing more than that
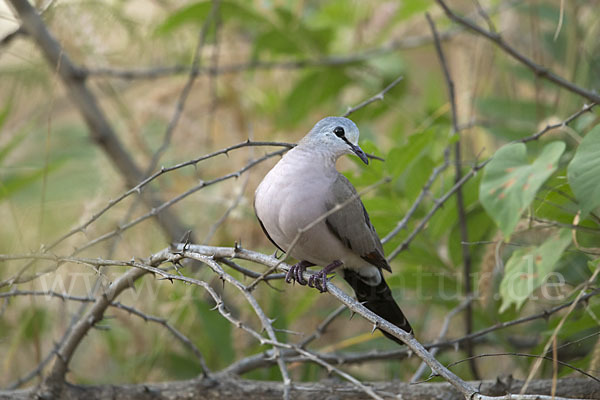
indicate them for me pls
(312, 212)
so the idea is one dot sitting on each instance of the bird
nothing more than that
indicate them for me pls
(295, 204)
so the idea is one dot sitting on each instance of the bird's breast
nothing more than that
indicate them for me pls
(289, 199)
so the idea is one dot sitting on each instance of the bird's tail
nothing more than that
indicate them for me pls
(378, 299)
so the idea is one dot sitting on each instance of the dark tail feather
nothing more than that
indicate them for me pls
(378, 299)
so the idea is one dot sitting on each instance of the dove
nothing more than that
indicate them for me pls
(294, 205)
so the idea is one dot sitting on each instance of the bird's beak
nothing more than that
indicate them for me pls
(361, 154)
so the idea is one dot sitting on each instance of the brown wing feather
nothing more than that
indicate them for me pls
(352, 226)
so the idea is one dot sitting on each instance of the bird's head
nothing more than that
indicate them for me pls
(337, 135)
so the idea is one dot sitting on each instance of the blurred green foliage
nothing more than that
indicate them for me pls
(337, 53)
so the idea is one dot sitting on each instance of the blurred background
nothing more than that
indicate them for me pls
(268, 71)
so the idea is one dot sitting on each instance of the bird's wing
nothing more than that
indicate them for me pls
(351, 223)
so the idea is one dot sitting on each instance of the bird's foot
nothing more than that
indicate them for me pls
(319, 280)
(295, 272)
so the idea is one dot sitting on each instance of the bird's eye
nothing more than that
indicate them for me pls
(339, 131)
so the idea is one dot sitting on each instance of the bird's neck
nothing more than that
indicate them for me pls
(313, 158)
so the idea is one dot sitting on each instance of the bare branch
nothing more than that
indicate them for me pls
(53, 384)
(187, 88)
(131, 310)
(445, 326)
(460, 203)
(539, 70)
(438, 204)
(99, 127)
(586, 108)
(424, 191)
(266, 322)
(353, 305)
(377, 97)
(161, 207)
(137, 188)
(227, 387)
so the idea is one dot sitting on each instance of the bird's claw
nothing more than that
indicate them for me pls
(295, 273)
(318, 281)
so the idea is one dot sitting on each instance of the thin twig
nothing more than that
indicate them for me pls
(539, 70)
(351, 303)
(131, 310)
(586, 108)
(377, 97)
(187, 88)
(160, 208)
(438, 204)
(445, 326)
(322, 327)
(460, 203)
(538, 362)
(537, 357)
(266, 322)
(100, 129)
(136, 189)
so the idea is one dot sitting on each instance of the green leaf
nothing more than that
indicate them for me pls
(181, 366)
(399, 159)
(4, 113)
(17, 182)
(584, 170)
(311, 91)
(198, 12)
(218, 346)
(275, 42)
(14, 142)
(528, 268)
(509, 182)
(523, 116)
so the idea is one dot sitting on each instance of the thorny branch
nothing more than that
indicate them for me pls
(438, 204)
(84, 100)
(74, 78)
(377, 97)
(115, 304)
(194, 71)
(220, 252)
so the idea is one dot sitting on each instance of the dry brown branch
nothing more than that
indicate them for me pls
(54, 383)
(230, 388)
(115, 304)
(84, 100)
(537, 69)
